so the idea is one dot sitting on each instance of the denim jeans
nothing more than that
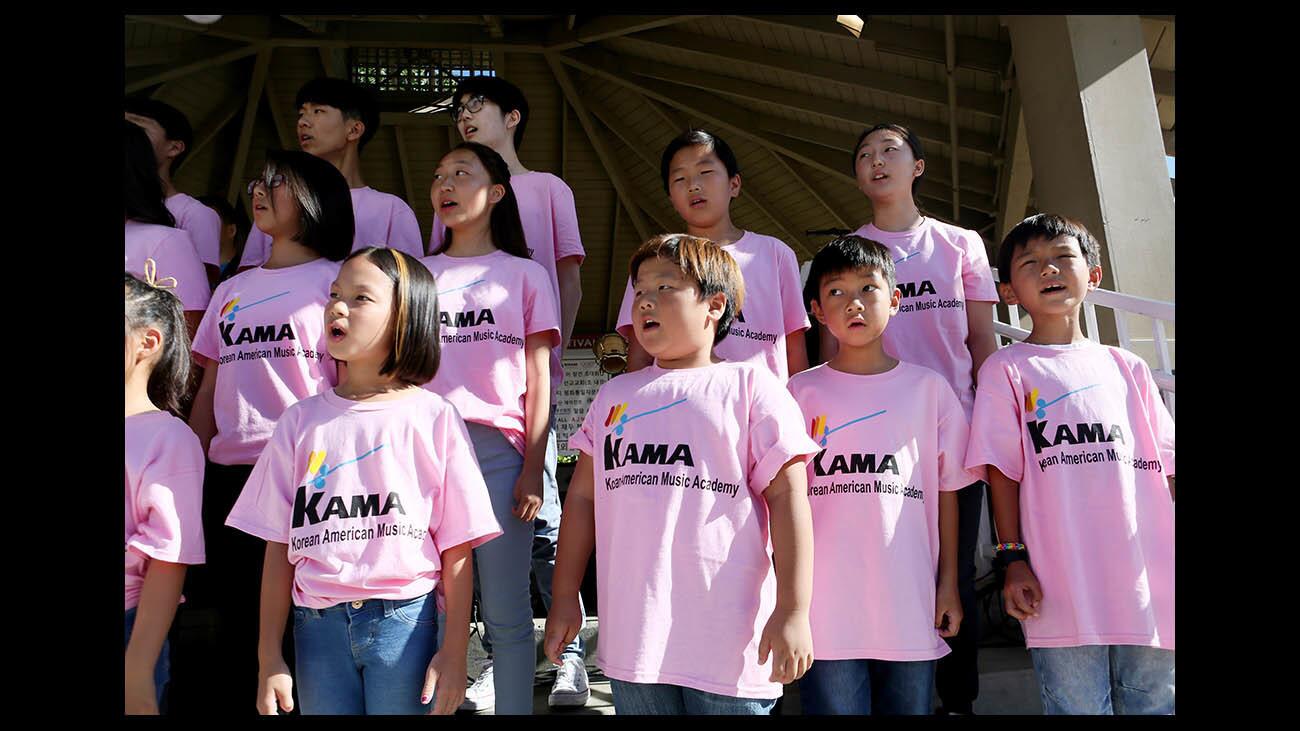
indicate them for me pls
(652, 699)
(1105, 680)
(501, 567)
(161, 668)
(365, 660)
(868, 687)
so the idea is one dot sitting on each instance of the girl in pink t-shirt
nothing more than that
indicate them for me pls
(499, 323)
(164, 483)
(262, 348)
(369, 498)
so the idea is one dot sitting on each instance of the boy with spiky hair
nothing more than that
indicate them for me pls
(336, 119)
(171, 136)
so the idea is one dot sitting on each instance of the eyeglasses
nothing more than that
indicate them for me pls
(472, 106)
(275, 181)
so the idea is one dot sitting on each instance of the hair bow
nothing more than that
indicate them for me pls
(151, 277)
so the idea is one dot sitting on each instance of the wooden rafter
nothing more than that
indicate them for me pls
(244, 28)
(1017, 173)
(315, 25)
(495, 28)
(284, 130)
(139, 82)
(173, 54)
(1168, 135)
(412, 119)
(399, 141)
(418, 35)
(212, 126)
(950, 38)
(255, 85)
(562, 38)
(799, 178)
(334, 61)
(1162, 82)
(612, 305)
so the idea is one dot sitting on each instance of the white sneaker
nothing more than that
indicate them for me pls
(482, 695)
(570, 687)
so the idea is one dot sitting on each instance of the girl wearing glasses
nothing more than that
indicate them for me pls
(262, 347)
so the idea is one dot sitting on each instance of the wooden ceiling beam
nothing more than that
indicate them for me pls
(412, 119)
(172, 54)
(284, 129)
(801, 180)
(244, 28)
(254, 96)
(1162, 82)
(137, 82)
(399, 142)
(213, 124)
(494, 25)
(562, 38)
(314, 25)
(522, 39)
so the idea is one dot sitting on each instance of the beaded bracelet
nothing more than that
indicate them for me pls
(999, 548)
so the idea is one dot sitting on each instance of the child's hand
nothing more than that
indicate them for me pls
(274, 687)
(141, 696)
(562, 624)
(445, 682)
(947, 603)
(528, 496)
(788, 638)
(1021, 593)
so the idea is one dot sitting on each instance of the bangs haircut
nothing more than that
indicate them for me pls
(908, 136)
(1047, 226)
(691, 138)
(500, 92)
(170, 379)
(705, 263)
(353, 101)
(326, 222)
(847, 254)
(504, 223)
(175, 125)
(142, 189)
(417, 348)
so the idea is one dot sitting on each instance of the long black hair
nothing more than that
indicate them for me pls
(506, 227)
(142, 189)
(146, 305)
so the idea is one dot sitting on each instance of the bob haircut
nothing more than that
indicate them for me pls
(417, 348)
(506, 227)
(500, 92)
(691, 138)
(325, 221)
(175, 125)
(169, 382)
(703, 262)
(142, 190)
(355, 102)
(846, 254)
(908, 136)
(1046, 226)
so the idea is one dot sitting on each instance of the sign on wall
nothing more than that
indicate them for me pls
(582, 379)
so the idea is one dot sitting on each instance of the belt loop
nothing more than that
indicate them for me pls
(389, 606)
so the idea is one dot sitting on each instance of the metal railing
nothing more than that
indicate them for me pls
(1123, 305)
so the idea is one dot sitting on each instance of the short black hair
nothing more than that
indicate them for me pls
(417, 348)
(691, 138)
(142, 189)
(710, 266)
(355, 102)
(500, 92)
(326, 221)
(847, 253)
(175, 125)
(908, 136)
(1046, 226)
(171, 377)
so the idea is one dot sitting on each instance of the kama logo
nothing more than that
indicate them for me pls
(256, 334)
(912, 289)
(232, 307)
(617, 455)
(909, 256)
(468, 318)
(1080, 433)
(307, 509)
(851, 463)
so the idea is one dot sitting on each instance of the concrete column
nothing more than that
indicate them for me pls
(1095, 143)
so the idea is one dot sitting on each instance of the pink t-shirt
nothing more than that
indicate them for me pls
(939, 268)
(164, 496)
(489, 304)
(382, 219)
(683, 563)
(173, 253)
(893, 441)
(1083, 430)
(265, 330)
(550, 223)
(773, 305)
(367, 495)
(202, 224)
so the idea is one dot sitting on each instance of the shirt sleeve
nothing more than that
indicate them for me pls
(205, 337)
(257, 248)
(976, 277)
(464, 513)
(171, 500)
(404, 230)
(265, 505)
(776, 431)
(539, 305)
(204, 227)
(435, 235)
(564, 216)
(624, 326)
(793, 309)
(1162, 423)
(995, 430)
(584, 438)
(175, 257)
(954, 435)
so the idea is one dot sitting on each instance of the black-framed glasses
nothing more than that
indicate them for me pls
(275, 181)
(472, 106)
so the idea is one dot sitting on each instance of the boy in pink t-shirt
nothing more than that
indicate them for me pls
(883, 494)
(689, 469)
(1080, 454)
(702, 177)
(336, 119)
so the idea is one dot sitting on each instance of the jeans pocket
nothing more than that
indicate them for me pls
(299, 618)
(417, 612)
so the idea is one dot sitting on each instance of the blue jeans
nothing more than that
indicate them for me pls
(1105, 680)
(652, 699)
(867, 687)
(161, 669)
(501, 568)
(367, 660)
